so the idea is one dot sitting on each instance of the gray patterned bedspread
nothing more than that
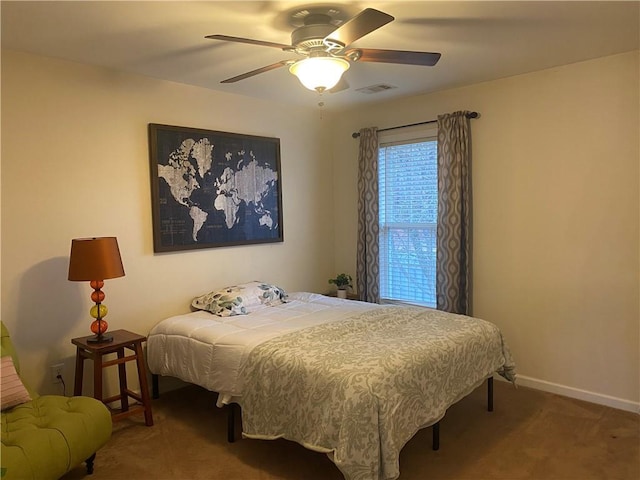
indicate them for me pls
(360, 388)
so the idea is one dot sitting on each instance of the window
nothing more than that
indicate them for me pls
(408, 201)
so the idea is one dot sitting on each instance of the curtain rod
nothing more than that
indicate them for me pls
(469, 115)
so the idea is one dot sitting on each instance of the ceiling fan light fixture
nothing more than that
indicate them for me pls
(319, 73)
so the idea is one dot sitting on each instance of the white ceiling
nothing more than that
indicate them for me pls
(479, 41)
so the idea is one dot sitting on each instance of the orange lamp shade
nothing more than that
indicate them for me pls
(95, 259)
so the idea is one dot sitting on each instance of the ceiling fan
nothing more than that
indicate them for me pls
(326, 48)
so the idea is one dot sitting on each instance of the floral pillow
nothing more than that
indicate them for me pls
(240, 299)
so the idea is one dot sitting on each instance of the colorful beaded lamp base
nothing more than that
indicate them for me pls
(99, 311)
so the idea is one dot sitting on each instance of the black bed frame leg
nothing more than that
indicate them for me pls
(436, 436)
(232, 409)
(155, 388)
(490, 394)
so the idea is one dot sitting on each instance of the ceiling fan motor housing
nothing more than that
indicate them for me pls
(311, 35)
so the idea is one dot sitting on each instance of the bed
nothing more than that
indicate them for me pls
(350, 379)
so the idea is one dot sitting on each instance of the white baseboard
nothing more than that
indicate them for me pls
(571, 392)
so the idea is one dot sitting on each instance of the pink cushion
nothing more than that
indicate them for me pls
(13, 391)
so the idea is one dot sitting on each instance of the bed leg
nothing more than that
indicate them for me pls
(490, 394)
(232, 409)
(155, 388)
(436, 436)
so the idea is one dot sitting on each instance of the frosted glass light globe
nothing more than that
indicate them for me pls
(319, 73)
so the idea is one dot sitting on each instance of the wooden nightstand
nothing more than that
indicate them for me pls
(122, 339)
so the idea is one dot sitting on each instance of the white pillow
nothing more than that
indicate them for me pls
(240, 299)
(13, 391)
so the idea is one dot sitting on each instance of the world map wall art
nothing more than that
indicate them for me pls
(213, 189)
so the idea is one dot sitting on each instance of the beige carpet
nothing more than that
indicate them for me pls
(530, 435)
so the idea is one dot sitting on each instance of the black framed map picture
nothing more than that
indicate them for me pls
(213, 189)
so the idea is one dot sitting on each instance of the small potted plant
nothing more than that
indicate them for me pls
(343, 282)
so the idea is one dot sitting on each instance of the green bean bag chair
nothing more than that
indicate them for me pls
(43, 437)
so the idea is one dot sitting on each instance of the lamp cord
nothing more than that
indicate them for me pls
(64, 386)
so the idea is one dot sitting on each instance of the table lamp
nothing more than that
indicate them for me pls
(95, 260)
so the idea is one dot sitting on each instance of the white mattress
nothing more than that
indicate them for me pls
(208, 350)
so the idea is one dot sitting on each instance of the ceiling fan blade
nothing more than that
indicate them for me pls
(427, 59)
(365, 22)
(250, 41)
(273, 66)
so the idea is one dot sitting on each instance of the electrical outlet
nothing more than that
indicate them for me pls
(55, 371)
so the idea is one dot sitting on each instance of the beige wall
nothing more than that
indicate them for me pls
(556, 217)
(556, 205)
(75, 164)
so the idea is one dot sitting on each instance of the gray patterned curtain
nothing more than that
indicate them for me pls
(453, 277)
(368, 263)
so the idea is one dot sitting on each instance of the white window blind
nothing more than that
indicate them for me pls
(408, 200)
